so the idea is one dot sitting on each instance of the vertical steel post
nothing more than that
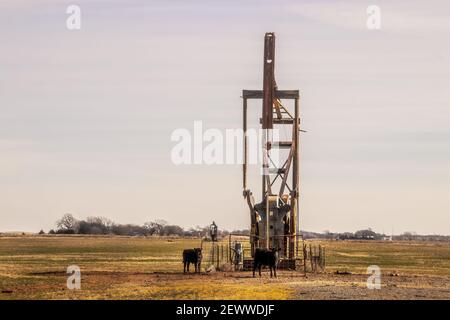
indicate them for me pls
(267, 222)
(244, 126)
(295, 182)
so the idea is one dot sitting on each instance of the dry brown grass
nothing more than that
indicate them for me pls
(151, 268)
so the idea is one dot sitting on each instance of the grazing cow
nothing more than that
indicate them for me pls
(192, 256)
(266, 257)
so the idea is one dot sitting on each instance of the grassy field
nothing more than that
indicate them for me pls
(33, 267)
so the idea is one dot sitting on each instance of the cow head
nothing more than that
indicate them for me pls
(276, 252)
(198, 251)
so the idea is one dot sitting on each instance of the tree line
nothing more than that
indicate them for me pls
(98, 225)
(369, 234)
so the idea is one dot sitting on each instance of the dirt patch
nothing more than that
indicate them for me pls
(239, 285)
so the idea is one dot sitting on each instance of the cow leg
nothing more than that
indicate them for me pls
(184, 267)
(271, 275)
(254, 268)
(260, 266)
(189, 263)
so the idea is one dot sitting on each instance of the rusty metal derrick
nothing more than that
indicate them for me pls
(274, 219)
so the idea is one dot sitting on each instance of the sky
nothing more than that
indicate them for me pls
(86, 116)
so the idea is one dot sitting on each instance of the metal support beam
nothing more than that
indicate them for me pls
(279, 94)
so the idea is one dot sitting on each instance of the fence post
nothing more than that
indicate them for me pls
(305, 256)
(319, 258)
(218, 256)
(229, 249)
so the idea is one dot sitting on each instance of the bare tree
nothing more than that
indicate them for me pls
(67, 223)
(155, 227)
(104, 225)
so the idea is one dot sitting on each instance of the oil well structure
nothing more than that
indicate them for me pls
(274, 218)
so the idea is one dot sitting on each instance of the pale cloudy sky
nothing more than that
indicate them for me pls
(86, 116)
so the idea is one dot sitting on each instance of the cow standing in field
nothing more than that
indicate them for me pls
(192, 256)
(266, 257)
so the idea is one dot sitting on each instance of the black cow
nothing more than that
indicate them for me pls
(266, 257)
(192, 256)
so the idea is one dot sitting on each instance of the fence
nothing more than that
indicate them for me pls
(234, 254)
(314, 258)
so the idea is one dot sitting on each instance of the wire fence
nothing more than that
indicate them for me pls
(234, 253)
